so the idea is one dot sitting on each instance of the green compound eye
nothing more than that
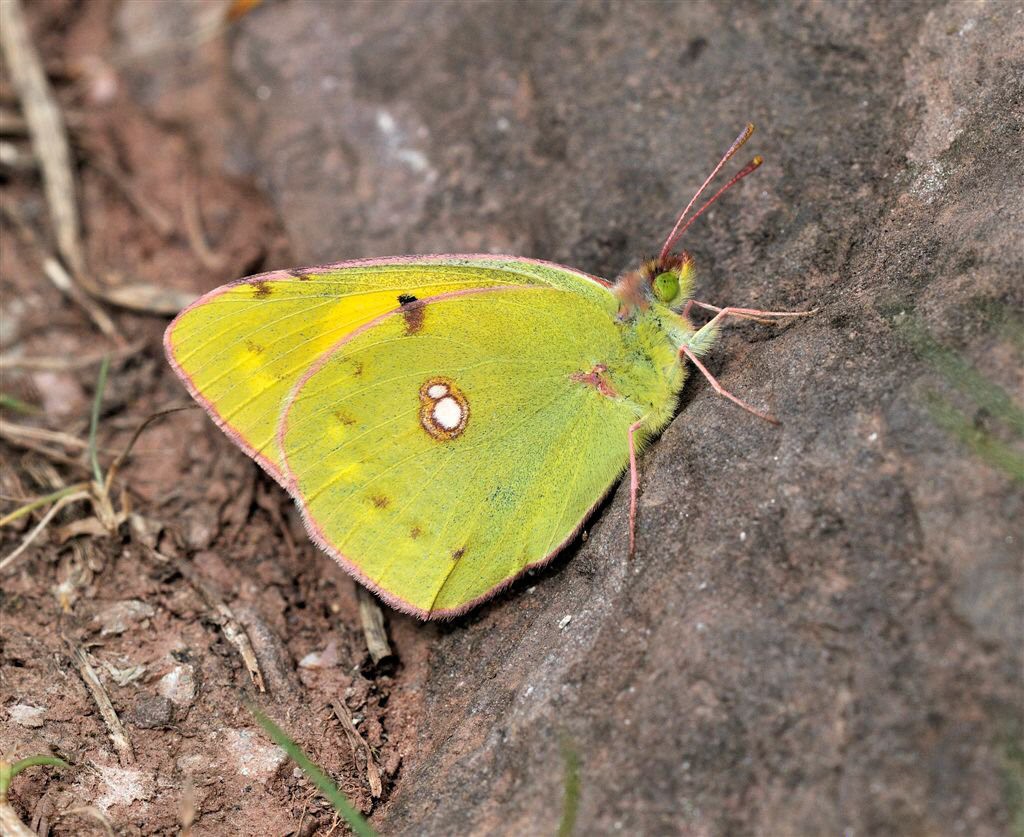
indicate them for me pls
(666, 286)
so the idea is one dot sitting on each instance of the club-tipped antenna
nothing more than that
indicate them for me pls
(679, 229)
(747, 169)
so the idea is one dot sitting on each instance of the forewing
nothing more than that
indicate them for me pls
(241, 348)
(436, 516)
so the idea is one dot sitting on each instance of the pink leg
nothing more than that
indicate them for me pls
(634, 484)
(721, 390)
(745, 313)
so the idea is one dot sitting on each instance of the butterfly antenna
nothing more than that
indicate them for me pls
(679, 229)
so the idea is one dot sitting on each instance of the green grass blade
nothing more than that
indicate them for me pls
(16, 405)
(355, 820)
(9, 771)
(959, 373)
(571, 799)
(94, 420)
(982, 444)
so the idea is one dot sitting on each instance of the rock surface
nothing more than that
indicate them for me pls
(820, 632)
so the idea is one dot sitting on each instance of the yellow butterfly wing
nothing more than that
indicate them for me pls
(241, 348)
(437, 463)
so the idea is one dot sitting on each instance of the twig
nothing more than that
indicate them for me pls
(31, 536)
(354, 740)
(222, 616)
(147, 298)
(373, 625)
(187, 813)
(60, 364)
(118, 737)
(23, 433)
(194, 227)
(46, 127)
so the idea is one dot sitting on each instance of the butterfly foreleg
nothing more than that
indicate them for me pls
(702, 339)
(686, 350)
(754, 314)
(634, 484)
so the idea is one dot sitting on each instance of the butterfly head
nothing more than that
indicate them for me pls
(666, 281)
(672, 279)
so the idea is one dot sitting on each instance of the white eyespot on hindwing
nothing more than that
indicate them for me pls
(444, 409)
(448, 413)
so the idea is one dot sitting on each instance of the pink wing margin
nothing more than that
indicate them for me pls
(286, 482)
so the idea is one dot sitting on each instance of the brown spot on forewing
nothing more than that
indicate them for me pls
(458, 553)
(414, 313)
(261, 289)
(380, 501)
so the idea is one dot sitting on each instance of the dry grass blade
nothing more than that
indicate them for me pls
(194, 227)
(223, 616)
(31, 536)
(147, 298)
(118, 737)
(123, 456)
(46, 127)
(60, 364)
(32, 505)
(16, 433)
(48, 453)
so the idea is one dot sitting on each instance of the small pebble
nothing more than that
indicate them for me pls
(152, 711)
(179, 685)
(26, 716)
(120, 616)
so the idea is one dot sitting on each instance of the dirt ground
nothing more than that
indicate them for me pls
(821, 632)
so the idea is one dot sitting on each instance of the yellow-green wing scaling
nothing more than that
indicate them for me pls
(439, 452)
(240, 349)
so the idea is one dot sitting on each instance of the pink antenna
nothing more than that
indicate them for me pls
(678, 229)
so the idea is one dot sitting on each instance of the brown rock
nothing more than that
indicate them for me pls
(152, 711)
(815, 635)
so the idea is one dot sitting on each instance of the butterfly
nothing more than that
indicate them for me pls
(446, 423)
